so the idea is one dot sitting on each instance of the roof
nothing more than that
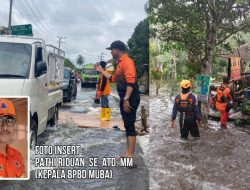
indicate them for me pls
(243, 52)
(19, 39)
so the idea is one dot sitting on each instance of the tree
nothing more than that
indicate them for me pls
(80, 60)
(68, 63)
(199, 26)
(139, 46)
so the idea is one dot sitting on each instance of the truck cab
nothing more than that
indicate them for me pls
(89, 75)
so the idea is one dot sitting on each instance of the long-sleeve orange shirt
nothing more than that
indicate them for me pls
(125, 74)
(11, 165)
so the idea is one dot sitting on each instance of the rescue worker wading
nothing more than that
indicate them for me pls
(127, 88)
(223, 101)
(11, 164)
(185, 103)
(103, 90)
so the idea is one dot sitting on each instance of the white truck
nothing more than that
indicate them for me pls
(28, 67)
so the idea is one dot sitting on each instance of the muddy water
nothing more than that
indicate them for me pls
(97, 143)
(219, 160)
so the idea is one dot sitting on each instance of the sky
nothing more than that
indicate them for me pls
(88, 25)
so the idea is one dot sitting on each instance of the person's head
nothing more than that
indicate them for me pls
(103, 64)
(226, 80)
(7, 120)
(185, 86)
(118, 48)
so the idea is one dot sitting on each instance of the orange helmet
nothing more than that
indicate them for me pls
(7, 108)
(185, 84)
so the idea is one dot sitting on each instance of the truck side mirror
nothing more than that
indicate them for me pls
(41, 68)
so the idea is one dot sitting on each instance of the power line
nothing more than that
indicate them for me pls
(85, 23)
(50, 28)
(37, 19)
(30, 8)
(42, 30)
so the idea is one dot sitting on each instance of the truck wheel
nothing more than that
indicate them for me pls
(33, 134)
(54, 119)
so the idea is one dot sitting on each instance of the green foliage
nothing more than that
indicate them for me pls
(156, 75)
(68, 63)
(200, 28)
(219, 67)
(139, 46)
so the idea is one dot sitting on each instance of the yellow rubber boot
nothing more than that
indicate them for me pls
(102, 115)
(107, 114)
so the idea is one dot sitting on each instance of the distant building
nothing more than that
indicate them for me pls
(243, 52)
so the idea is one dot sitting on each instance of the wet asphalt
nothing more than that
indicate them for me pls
(95, 142)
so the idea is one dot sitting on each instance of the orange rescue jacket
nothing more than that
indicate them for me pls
(225, 94)
(11, 165)
(104, 85)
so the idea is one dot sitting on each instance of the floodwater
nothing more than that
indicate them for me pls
(96, 142)
(220, 159)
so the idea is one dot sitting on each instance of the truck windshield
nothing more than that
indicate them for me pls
(90, 71)
(15, 60)
(66, 73)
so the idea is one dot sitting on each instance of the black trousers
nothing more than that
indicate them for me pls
(189, 125)
(130, 117)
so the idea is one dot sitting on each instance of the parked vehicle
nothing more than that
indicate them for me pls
(29, 67)
(89, 75)
(69, 84)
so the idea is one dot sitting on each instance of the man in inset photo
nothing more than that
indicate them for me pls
(11, 159)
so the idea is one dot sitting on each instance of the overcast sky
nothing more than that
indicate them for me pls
(89, 25)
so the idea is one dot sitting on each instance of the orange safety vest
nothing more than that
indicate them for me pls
(11, 165)
(106, 90)
(222, 98)
(184, 102)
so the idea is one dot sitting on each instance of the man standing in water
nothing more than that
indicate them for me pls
(223, 100)
(185, 103)
(127, 88)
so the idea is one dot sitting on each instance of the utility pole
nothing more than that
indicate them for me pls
(60, 38)
(10, 17)
(102, 56)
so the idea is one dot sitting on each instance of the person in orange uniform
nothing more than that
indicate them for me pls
(103, 91)
(11, 164)
(222, 100)
(127, 88)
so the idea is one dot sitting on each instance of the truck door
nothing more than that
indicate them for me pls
(42, 92)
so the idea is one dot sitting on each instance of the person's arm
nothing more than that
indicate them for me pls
(103, 84)
(130, 76)
(175, 110)
(101, 70)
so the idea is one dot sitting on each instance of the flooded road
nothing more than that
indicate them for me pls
(219, 160)
(96, 142)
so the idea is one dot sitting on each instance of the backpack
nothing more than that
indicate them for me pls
(220, 97)
(184, 105)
